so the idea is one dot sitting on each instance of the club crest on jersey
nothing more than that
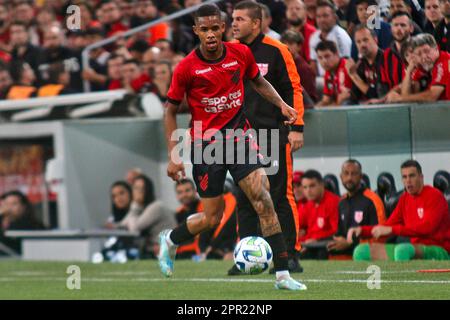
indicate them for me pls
(359, 216)
(420, 212)
(263, 68)
(320, 222)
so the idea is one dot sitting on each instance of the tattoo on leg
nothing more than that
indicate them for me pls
(256, 187)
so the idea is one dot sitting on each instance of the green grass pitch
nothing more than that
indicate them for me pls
(208, 280)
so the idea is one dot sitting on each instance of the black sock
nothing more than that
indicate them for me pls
(181, 234)
(280, 255)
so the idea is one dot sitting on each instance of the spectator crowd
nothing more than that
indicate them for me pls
(346, 51)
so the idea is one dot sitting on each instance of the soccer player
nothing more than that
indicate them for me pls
(337, 82)
(421, 214)
(277, 65)
(211, 77)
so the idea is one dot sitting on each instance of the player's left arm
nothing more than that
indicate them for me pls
(268, 92)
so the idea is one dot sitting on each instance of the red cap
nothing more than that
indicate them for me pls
(297, 176)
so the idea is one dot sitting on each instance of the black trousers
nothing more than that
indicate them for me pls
(283, 200)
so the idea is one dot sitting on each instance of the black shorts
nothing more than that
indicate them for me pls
(212, 160)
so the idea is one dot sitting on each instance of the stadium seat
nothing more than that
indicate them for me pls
(391, 202)
(387, 191)
(331, 183)
(441, 181)
(365, 181)
(385, 184)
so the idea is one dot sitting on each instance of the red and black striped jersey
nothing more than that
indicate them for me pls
(394, 66)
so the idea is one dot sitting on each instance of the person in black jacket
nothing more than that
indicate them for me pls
(16, 213)
(22, 49)
(360, 206)
(277, 65)
(55, 51)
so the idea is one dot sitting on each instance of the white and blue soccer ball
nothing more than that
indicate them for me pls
(253, 255)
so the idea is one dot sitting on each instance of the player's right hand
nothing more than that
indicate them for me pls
(353, 231)
(289, 113)
(176, 171)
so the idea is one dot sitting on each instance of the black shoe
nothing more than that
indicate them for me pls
(234, 271)
(293, 266)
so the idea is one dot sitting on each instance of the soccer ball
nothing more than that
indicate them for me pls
(253, 255)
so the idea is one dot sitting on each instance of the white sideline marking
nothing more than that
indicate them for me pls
(364, 272)
(87, 279)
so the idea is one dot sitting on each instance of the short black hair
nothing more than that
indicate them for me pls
(313, 174)
(19, 23)
(254, 9)
(363, 26)
(327, 45)
(207, 10)
(355, 162)
(185, 181)
(133, 61)
(412, 163)
(369, 2)
(139, 45)
(400, 14)
(94, 32)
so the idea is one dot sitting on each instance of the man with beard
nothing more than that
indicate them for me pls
(368, 80)
(394, 66)
(110, 17)
(296, 17)
(442, 32)
(55, 51)
(359, 207)
(430, 60)
(416, 14)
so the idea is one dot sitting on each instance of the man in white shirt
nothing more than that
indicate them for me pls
(326, 18)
